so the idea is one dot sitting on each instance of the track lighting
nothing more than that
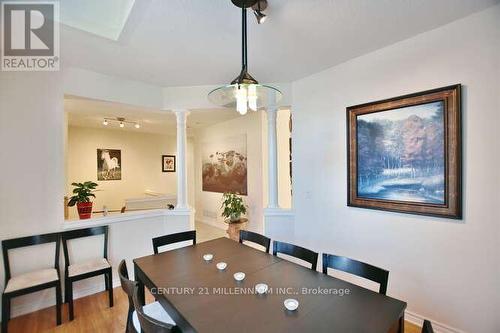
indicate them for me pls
(258, 9)
(261, 17)
(121, 122)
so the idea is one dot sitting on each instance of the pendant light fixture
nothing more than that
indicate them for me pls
(244, 92)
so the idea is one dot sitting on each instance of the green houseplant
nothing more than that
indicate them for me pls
(81, 198)
(232, 206)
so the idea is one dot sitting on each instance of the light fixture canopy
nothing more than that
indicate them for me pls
(245, 92)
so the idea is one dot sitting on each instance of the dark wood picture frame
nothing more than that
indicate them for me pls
(452, 206)
(163, 157)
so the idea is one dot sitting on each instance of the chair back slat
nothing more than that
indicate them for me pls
(358, 268)
(149, 324)
(80, 233)
(297, 252)
(255, 238)
(173, 238)
(127, 285)
(14, 243)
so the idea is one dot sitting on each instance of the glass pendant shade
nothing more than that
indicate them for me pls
(245, 96)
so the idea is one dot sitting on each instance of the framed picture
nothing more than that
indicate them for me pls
(168, 163)
(225, 165)
(404, 154)
(109, 164)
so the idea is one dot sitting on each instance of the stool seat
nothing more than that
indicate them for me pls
(155, 311)
(31, 279)
(88, 266)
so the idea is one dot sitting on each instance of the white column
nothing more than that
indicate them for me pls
(181, 167)
(272, 139)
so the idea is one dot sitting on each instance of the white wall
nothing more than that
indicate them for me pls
(32, 176)
(31, 138)
(140, 161)
(251, 125)
(446, 270)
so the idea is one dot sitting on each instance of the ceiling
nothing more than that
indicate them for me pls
(91, 113)
(197, 42)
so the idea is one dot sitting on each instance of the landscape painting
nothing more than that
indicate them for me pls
(109, 163)
(404, 153)
(224, 165)
(401, 154)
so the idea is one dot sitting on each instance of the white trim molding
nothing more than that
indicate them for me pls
(438, 327)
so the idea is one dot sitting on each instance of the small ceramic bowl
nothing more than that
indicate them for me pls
(221, 266)
(261, 288)
(291, 304)
(239, 276)
(208, 256)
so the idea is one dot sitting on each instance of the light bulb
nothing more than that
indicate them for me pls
(105, 122)
(241, 100)
(252, 97)
(122, 125)
(137, 125)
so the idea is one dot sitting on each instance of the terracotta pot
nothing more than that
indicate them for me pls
(84, 210)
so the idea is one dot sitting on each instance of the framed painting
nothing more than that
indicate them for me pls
(168, 163)
(404, 154)
(225, 165)
(109, 164)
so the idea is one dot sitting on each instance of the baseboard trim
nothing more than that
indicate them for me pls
(438, 327)
(48, 301)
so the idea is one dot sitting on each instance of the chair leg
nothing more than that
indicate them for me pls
(69, 287)
(110, 287)
(129, 326)
(106, 282)
(5, 313)
(58, 304)
(66, 288)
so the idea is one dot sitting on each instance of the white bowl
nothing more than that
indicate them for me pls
(221, 266)
(261, 288)
(208, 256)
(239, 276)
(291, 304)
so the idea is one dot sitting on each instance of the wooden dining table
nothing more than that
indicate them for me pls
(201, 298)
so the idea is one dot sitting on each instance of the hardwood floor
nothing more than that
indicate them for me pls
(92, 314)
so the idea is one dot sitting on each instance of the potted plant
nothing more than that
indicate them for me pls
(233, 207)
(81, 198)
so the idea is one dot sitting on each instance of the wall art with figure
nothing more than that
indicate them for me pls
(109, 164)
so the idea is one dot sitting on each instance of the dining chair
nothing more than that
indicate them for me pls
(151, 319)
(255, 238)
(89, 268)
(153, 310)
(36, 280)
(173, 238)
(358, 268)
(297, 252)
(427, 327)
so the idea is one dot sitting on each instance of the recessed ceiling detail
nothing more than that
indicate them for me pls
(102, 18)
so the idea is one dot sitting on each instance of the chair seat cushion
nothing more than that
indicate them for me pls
(155, 311)
(31, 279)
(87, 267)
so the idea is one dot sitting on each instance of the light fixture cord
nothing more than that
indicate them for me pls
(244, 37)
